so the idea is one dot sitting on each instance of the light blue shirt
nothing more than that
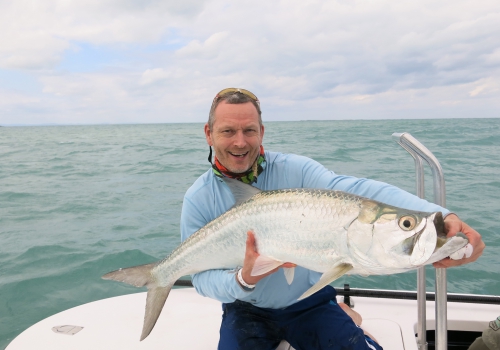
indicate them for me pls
(209, 197)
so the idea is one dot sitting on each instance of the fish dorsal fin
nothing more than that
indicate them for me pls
(241, 191)
(328, 277)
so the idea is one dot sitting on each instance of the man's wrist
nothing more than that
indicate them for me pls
(242, 282)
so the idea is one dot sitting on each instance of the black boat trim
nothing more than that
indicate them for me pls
(395, 294)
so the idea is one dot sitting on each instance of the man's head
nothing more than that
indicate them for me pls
(233, 96)
(235, 129)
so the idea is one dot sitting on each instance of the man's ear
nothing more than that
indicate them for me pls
(208, 135)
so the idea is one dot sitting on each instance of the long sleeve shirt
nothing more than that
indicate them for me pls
(209, 197)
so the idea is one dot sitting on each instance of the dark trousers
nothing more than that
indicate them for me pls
(314, 323)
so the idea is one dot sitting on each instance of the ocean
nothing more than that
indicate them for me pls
(79, 201)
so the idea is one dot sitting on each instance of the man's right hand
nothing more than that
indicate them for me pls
(251, 254)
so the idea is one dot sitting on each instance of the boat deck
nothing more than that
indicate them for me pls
(189, 321)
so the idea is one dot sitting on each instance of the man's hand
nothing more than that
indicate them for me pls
(453, 225)
(357, 319)
(251, 255)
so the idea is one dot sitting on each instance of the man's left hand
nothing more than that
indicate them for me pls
(453, 225)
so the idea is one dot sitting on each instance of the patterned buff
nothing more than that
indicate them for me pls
(249, 176)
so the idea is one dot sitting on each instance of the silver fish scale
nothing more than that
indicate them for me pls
(303, 226)
(310, 228)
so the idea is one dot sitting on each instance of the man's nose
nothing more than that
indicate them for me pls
(239, 140)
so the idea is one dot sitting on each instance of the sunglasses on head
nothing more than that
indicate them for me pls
(241, 91)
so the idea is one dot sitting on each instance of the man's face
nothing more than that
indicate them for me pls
(236, 135)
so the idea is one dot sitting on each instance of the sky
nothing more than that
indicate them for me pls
(163, 61)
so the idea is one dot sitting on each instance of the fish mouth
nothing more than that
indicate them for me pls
(431, 244)
(439, 225)
(445, 246)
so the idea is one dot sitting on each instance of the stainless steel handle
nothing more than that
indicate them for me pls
(419, 152)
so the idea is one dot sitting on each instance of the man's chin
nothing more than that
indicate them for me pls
(238, 169)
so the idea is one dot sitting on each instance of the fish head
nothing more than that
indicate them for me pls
(385, 239)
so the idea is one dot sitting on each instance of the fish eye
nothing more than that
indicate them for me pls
(407, 222)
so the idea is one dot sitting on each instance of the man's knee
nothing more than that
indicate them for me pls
(244, 327)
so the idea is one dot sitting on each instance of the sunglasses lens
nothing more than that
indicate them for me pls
(241, 91)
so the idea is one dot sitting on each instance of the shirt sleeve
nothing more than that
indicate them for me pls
(216, 284)
(315, 175)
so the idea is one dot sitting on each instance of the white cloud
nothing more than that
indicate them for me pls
(209, 49)
(485, 87)
(36, 33)
(358, 58)
(151, 76)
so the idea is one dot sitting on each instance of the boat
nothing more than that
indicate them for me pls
(399, 320)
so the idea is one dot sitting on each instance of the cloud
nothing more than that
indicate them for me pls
(485, 87)
(36, 34)
(151, 76)
(209, 49)
(164, 60)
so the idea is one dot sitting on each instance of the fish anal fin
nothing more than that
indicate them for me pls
(328, 277)
(264, 264)
(289, 274)
(154, 304)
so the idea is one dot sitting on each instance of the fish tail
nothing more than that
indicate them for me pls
(154, 304)
(141, 276)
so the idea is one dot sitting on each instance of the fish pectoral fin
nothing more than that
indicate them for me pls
(289, 273)
(264, 264)
(328, 277)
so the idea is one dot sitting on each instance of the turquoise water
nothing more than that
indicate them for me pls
(79, 201)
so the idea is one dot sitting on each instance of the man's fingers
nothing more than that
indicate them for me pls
(447, 262)
(356, 317)
(251, 255)
(453, 225)
(251, 247)
(250, 238)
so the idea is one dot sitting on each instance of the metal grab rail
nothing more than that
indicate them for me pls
(419, 152)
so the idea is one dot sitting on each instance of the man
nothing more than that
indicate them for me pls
(490, 338)
(260, 311)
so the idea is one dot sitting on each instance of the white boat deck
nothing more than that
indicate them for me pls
(189, 321)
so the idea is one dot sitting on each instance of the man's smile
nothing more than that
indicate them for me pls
(239, 155)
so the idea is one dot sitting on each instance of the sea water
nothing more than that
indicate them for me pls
(79, 201)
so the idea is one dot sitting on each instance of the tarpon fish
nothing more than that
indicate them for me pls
(331, 232)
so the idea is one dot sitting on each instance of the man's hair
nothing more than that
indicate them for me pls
(232, 97)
